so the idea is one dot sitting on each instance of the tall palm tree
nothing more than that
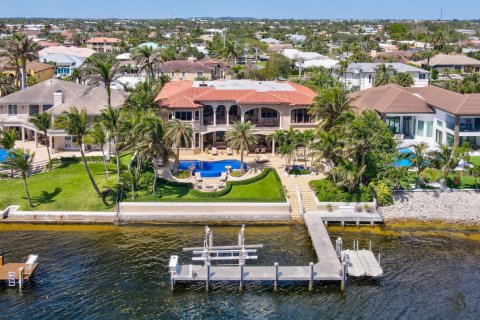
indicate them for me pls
(329, 105)
(43, 123)
(383, 75)
(152, 143)
(97, 136)
(241, 138)
(20, 160)
(403, 79)
(147, 58)
(180, 133)
(110, 120)
(142, 97)
(74, 123)
(20, 49)
(448, 158)
(104, 69)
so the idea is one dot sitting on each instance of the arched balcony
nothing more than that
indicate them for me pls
(234, 114)
(208, 117)
(263, 117)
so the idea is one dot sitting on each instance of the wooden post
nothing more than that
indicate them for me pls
(21, 274)
(1, 260)
(241, 277)
(310, 283)
(275, 282)
(207, 285)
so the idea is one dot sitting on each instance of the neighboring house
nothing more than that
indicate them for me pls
(271, 41)
(192, 69)
(103, 44)
(361, 76)
(297, 55)
(297, 38)
(66, 59)
(54, 96)
(454, 63)
(39, 71)
(212, 107)
(429, 114)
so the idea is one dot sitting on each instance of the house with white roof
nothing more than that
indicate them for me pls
(66, 59)
(361, 76)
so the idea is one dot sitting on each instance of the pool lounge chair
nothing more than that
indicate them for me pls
(214, 151)
(223, 177)
(262, 159)
(198, 177)
(229, 151)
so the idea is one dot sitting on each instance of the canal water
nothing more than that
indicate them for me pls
(109, 272)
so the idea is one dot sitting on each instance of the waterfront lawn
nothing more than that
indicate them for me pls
(66, 188)
(267, 189)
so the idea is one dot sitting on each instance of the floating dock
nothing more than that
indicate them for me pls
(18, 273)
(328, 268)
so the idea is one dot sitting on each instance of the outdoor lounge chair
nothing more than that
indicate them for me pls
(214, 151)
(262, 159)
(198, 177)
(229, 151)
(223, 177)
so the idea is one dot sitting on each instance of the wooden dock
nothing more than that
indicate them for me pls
(18, 273)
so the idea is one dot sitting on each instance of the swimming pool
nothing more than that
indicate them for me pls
(3, 154)
(210, 169)
(403, 162)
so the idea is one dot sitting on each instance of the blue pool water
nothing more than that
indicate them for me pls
(403, 162)
(3, 154)
(210, 169)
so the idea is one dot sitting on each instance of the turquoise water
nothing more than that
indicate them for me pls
(403, 162)
(210, 169)
(108, 272)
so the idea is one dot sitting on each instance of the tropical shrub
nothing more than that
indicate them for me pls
(383, 193)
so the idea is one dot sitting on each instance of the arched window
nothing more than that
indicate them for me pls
(207, 115)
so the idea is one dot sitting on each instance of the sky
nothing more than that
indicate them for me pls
(273, 9)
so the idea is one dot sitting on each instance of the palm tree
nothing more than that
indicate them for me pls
(180, 133)
(152, 143)
(475, 173)
(74, 123)
(419, 158)
(241, 138)
(20, 49)
(43, 123)
(448, 158)
(105, 69)
(110, 120)
(329, 105)
(142, 97)
(147, 58)
(383, 75)
(7, 84)
(403, 79)
(20, 160)
(7, 140)
(97, 136)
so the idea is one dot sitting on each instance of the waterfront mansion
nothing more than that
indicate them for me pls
(213, 106)
(430, 114)
(54, 96)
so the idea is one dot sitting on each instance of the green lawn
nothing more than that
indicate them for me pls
(268, 189)
(475, 160)
(64, 188)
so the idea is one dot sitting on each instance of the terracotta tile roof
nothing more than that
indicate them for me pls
(36, 66)
(390, 98)
(103, 40)
(395, 99)
(184, 94)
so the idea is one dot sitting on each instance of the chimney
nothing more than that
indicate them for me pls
(57, 98)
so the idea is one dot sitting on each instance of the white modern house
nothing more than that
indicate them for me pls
(361, 76)
(429, 114)
(306, 60)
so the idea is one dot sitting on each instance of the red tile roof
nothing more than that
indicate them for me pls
(182, 94)
(103, 40)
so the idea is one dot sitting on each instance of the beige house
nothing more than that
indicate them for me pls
(103, 44)
(454, 63)
(53, 96)
(193, 69)
(213, 106)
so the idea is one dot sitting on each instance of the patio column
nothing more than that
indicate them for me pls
(456, 132)
(281, 119)
(242, 117)
(227, 110)
(273, 146)
(215, 116)
(50, 143)
(23, 133)
(35, 135)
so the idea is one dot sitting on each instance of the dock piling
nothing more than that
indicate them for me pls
(310, 282)
(379, 258)
(21, 274)
(241, 277)
(207, 284)
(1, 259)
(370, 246)
(339, 247)
(275, 282)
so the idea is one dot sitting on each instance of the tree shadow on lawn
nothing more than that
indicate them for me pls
(109, 197)
(168, 191)
(46, 197)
